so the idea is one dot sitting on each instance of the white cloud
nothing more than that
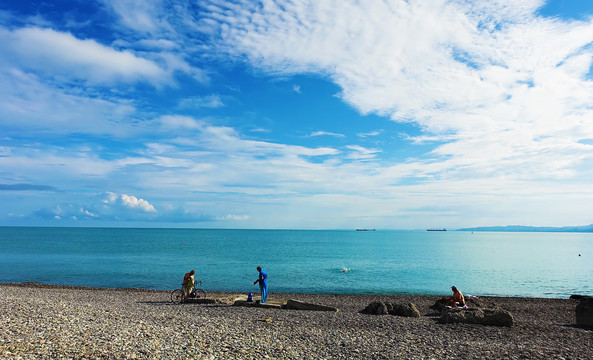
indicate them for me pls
(296, 88)
(179, 122)
(491, 79)
(502, 95)
(133, 202)
(370, 133)
(140, 15)
(260, 130)
(50, 163)
(110, 198)
(51, 109)
(227, 140)
(210, 101)
(325, 133)
(359, 152)
(54, 52)
(234, 217)
(128, 201)
(158, 44)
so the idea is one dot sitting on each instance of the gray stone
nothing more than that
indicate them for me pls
(376, 308)
(584, 312)
(407, 310)
(579, 297)
(439, 305)
(381, 308)
(490, 317)
(498, 317)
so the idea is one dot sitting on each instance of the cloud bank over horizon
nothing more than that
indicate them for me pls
(298, 114)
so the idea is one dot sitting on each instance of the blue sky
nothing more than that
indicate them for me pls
(296, 114)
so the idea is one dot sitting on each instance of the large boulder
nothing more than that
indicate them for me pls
(584, 312)
(407, 310)
(381, 308)
(491, 317)
(439, 305)
(375, 308)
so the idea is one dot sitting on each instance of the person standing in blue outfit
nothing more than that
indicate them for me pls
(263, 284)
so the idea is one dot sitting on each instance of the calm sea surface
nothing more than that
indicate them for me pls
(379, 262)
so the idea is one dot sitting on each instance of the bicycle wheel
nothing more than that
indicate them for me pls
(200, 294)
(177, 296)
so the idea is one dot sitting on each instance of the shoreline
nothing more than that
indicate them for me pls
(52, 321)
(255, 291)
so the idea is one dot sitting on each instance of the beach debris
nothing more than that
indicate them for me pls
(381, 308)
(300, 305)
(584, 312)
(268, 319)
(490, 317)
(257, 303)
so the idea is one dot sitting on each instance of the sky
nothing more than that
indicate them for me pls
(296, 114)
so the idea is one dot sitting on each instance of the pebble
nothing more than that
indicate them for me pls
(67, 323)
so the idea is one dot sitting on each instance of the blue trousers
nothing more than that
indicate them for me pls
(264, 292)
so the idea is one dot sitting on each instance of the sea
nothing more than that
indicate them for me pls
(523, 264)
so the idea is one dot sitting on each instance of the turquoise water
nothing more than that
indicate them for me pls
(380, 262)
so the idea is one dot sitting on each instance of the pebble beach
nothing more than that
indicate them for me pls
(61, 322)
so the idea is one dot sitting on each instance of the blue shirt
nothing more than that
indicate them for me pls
(264, 277)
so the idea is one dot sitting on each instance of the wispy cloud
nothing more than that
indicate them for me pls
(490, 77)
(117, 207)
(210, 101)
(63, 212)
(499, 99)
(325, 133)
(143, 16)
(46, 108)
(234, 217)
(26, 187)
(179, 121)
(370, 133)
(359, 152)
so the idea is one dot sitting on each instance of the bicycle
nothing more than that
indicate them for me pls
(178, 295)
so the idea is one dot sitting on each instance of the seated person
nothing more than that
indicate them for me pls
(457, 299)
(188, 282)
